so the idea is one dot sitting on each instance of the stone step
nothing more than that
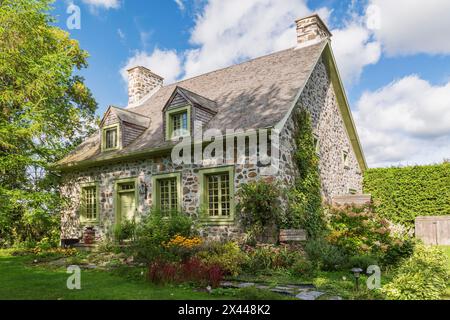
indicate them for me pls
(352, 199)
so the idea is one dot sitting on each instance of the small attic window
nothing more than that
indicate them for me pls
(316, 144)
(178, 122)
(345, 159)
(110, 137)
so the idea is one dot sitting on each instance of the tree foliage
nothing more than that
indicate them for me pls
(402, 194)
(45, 111)
(306, 199)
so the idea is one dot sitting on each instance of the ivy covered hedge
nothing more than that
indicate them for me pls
(402, 194)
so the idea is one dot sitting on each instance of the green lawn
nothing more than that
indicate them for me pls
(19, 279)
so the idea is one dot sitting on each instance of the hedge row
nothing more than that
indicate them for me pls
(400, 194)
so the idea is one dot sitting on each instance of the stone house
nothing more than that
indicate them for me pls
(128, 168)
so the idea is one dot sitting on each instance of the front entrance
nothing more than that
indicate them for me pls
(126, 201)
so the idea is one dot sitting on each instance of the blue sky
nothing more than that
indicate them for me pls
(395, 62)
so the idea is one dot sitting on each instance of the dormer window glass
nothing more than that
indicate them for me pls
(178, 122)
(110, 137)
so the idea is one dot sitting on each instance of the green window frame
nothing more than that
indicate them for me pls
(166, 192)
(217, 195)
(89, 203)
(178, 118)
(111, 137)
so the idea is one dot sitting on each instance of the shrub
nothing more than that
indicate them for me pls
(182, 247)
(362, 261)
(258, 206)
(401, 194)
(326, 256)
(228, 256)
(358, 230)
(398, 251)
(266, 258)
(157, 229)
(423, 276)
(302, 267)
(192, 270)
(125, 231)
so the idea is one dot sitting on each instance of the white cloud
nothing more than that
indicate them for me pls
(354, 49)
(106, 4)
(165, 63)
(227, 32)
(413, 26)
(407, 121)
(180, 4)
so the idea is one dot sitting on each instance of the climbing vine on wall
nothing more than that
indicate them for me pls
(305, 199)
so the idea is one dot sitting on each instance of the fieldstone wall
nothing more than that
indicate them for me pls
(320, 100)
(336, 179)
(143, 170)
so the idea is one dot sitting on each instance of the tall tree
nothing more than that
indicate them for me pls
(46, 110)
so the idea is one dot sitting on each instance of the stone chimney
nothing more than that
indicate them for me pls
(311, 30)
(141, 81)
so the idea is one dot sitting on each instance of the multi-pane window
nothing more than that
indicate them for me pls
(126, 186)
(89, 203)
(111, 138)
(168, 195)
(179, 123)
(218, 195)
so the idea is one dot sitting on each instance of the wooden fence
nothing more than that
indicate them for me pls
(433, 229)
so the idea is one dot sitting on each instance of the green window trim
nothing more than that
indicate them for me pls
(156, 196)
(83, 205)
(118, 137)
(117, 191)
(204, 201)
(169, 123)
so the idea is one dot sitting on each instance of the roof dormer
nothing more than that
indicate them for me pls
(183, 110)
(120, 127)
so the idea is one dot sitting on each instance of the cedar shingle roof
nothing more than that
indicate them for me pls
(131, 117)
(250, 95)
(196, 99)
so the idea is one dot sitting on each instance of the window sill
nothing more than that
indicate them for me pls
(217, 222)
(85, 223)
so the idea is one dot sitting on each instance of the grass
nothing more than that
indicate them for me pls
(21, 280)
(446, 250)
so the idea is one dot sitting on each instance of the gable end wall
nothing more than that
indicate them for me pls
(319, 98)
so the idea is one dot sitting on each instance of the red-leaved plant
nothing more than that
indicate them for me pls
(191, 270)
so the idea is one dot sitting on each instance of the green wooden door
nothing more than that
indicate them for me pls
(127, 205)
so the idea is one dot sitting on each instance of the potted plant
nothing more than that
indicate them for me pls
(89, 235)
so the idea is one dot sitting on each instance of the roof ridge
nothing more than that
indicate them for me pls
(127, 110)
(231, 66)
(197, 94)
